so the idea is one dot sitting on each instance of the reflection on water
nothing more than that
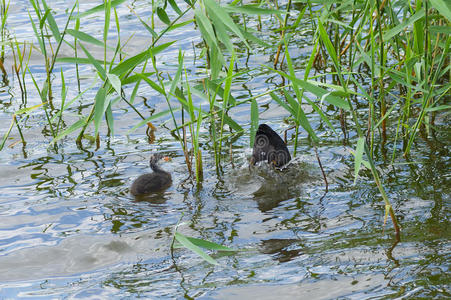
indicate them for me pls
(70, 228)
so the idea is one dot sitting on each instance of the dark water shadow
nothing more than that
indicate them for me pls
(283, 249)
(154, 198)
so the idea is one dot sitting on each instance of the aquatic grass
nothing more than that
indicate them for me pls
(20, 65)
(333, 54)
(63, 101)
(47, 18)
(4, 11)
(382, 61)
(194, 131)
(225, 100)
(24, 112)
(195, 245)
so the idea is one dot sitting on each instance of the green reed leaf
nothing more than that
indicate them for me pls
(99, 108)
(37, 35)
(282, 103)
(152, 84)
(358, 157)
(223, 19)
(254, 121)
(99, 8)
(229, 121)
(181, 24)
(94, 62)
(175, 7)
(209, 245)
(77, 125)
(85, 37)
(253, 10)
(439, 107)
(44, 18)
(115, 82)
(221, 32)
(5, 136)
(328, 44)
(106, 27)
(152, 117)
(205, 27)
(444, 8)
(148, 28)
(163, 16)
(130, 63)
(109, 118)
(440, 29)
(52, 23)
(135, 78)
(401, 27)
(76, 60)
(189, 245)
(316, 90)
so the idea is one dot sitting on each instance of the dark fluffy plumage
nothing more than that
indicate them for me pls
(152, 182)
(269, 146)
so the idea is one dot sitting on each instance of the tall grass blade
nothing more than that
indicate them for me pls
(358, 157)
(153, 117)
(163, 16)
(443, 7)
(209, 245)
(99, 8)
(94, 62)
(99, 108)
(77, 125)
(254, 121)
(115, 82)
(52, 23)
(85, 37)
(125, 66)
(220, 14)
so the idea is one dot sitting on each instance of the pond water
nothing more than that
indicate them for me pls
(70, 229)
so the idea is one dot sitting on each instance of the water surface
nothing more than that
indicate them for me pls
(70, 228)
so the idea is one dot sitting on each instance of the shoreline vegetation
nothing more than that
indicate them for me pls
(378, 71)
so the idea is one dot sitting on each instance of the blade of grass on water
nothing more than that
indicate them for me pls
(189, 245)
(209, 245)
